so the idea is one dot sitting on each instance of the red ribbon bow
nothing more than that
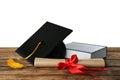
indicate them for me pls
(74, 68)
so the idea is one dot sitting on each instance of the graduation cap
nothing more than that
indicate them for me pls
(50, 36)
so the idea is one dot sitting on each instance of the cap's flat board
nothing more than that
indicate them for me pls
(50, 34)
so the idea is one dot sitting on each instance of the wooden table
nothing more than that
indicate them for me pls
(31, 73)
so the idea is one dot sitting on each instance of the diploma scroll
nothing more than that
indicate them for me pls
(45, 62)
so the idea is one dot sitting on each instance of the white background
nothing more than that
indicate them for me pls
(92, 21)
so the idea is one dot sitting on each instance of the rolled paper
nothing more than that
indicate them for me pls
(45, 62)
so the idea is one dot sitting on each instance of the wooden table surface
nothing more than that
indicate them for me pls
(31, 73)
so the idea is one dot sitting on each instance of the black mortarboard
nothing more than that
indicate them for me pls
(51, 37)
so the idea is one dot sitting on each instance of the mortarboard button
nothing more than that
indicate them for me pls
(51, 37)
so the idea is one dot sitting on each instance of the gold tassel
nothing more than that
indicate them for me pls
(13, 64)
(16, 65)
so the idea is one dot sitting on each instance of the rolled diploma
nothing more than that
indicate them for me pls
(45, 62)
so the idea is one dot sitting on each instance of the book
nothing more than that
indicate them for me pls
(85, 51)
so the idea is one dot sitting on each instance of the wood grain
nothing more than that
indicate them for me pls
(30, 73)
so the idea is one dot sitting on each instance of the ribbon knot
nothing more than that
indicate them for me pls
(74, 68)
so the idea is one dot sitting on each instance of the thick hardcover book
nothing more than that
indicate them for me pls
(85, 51)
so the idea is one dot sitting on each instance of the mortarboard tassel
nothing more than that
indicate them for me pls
(16, 65)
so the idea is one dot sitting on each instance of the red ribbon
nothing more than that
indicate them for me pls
(74, 68)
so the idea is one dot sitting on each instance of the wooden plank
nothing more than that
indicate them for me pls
(109, 63)
(8, 68)
(54, 71)
(109, 49)
(51, 77)
(7, 49)
(112, 63)
(113, 55)
(6, 53)
(4, 63)
(10, 49)
(58, 77)
(113, 49)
